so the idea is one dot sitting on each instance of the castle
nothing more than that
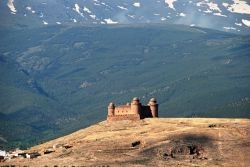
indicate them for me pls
(132, 111)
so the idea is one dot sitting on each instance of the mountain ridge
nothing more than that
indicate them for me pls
(230, 15)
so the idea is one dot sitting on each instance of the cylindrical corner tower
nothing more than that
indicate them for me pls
(153, 107)
(135, 105)
(111, 109)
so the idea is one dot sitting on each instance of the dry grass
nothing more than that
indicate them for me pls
(226, 143)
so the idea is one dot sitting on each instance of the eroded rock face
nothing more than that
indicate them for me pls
(184, 147)
(182, 151)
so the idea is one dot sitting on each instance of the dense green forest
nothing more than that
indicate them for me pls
(57, 79)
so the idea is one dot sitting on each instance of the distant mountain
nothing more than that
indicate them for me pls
(56, 79)
(226, 15)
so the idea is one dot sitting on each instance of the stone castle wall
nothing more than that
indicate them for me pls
(132, 117)
(123, 110)
(132, 111)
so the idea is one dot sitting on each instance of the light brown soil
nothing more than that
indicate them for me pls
(156, 142)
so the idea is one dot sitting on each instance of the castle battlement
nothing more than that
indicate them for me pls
(133, 110)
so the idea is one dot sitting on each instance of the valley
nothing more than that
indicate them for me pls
(58, 79)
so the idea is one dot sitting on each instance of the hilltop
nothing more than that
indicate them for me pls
(150, 142)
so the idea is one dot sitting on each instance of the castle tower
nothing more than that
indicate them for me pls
(135, 106)
(153, 107)
(111, 109)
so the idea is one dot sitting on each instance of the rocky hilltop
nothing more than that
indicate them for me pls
(149, 142)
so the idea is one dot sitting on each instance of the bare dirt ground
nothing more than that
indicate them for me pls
(150, 142)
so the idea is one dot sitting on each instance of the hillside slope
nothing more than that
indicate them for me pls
(57, 79)
(151, 142)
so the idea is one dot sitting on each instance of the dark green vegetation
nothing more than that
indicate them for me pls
(57, 79)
